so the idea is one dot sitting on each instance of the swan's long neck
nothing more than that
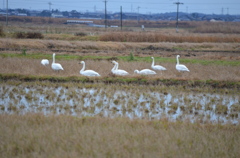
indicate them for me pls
(177, 60)
(114, 67)
(153, 62)
(83, 67)
(53, 58)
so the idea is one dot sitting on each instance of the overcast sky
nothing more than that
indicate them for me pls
(145, 6)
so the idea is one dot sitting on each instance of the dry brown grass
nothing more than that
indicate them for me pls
(103, 67)
(213, 32)
(165, 49)
(158, 37)
(217, 27)
(36, 135)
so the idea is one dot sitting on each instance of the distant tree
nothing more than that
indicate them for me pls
(45, 13)
(65, 13)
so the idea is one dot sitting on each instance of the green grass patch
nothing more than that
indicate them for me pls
(129, 58)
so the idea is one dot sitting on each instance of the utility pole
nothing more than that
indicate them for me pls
(49, 3)
(121, 16)
(177, 3)
(138, 14)
(105, 22)
(7, 14)
(50, 12)
(227, 11)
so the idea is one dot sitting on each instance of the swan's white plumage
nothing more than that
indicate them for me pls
(117, 71)
(157, 67)
(113, 69)
(44, 62)
(87, 72)
(145, 72)
(56, 66)
(181, 67)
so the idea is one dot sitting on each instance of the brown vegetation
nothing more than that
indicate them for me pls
(226, 51)
(217, 27)
(157, 37)
(64, 136)
(32, 35)
(1, 31)
(35, 20)
(36, 135)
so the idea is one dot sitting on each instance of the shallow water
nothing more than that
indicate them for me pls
(112, 102)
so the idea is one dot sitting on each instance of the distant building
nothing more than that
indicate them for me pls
(79, 22)
(95, 25)
(3, 13)
(21, 14)
(57, 15)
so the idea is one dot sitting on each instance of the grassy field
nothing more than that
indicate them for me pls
(210, 50)
(63, 136)
(199, 70)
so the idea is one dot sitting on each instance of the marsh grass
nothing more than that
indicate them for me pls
(65, 136)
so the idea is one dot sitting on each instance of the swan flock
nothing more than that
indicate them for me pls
(115, 70)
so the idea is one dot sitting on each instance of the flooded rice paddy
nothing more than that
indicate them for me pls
(134, 101)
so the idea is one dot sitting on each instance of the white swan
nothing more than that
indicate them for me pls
(87, 72)
(181, 67)
(157, 67)
(145, 72)
(44, 62)
(56, 66)
(117, 71)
